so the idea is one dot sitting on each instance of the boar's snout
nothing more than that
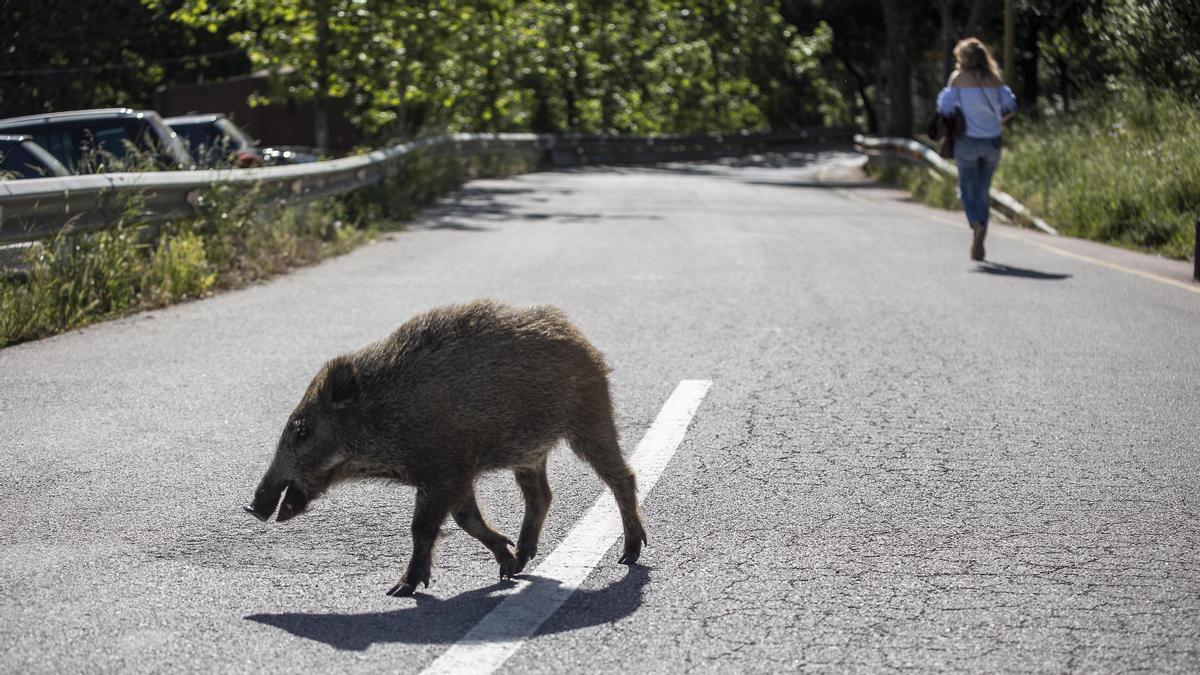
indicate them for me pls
(294, 502)
(266, 497)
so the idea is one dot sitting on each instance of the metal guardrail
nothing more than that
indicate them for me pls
(38, 208)
(907, 148)
(573, 150)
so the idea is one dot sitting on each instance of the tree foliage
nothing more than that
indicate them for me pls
(68, 54)
(620, 66)
(614, 66)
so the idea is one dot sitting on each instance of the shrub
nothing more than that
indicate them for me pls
(1124, 171)
(926, 185)
(237, 235)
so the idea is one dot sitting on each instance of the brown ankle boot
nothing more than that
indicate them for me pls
(977, 242)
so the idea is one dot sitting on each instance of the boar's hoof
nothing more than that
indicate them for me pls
(524, 556)
(408, 586)
(633, 548)
(510, 567)
(402, 590)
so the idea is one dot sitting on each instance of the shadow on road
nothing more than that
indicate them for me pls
(474, 208)
(825, 185)
(1000, 270)
(455, 225)
(721, 166)
(434, 621)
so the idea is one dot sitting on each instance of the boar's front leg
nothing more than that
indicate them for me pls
(536, 490)
(469, 518)
(428, 516)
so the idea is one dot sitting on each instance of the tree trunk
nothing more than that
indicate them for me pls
(974, 16)
(946, 9)
(900, 113)
(1028, 86)
(860, 85)
(1064, 82)
(572, 108)
(320, 117)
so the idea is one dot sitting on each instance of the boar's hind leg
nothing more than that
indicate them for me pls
(536, 489)
(469, 518)
(428, 516)
(602, 452)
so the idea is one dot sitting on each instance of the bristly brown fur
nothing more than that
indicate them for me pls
(451, 393)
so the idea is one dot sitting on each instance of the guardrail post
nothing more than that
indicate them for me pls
(1196, 253)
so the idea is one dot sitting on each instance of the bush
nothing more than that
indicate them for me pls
(1125, 171)
(926, 185)
(236, 236)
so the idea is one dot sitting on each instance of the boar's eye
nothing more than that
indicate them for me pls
(300, 429)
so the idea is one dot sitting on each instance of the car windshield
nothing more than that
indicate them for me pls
(80, 145)
(239, 137)
(211, 142)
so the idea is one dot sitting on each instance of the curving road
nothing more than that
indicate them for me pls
(904, 461)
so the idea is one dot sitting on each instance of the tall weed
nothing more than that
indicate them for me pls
(236, 235)
(926, 185)
(1125, 171)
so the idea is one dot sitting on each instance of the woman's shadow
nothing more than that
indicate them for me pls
(434, 621)
(1001, 270)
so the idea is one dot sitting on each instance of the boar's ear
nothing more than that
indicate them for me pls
(341, 384)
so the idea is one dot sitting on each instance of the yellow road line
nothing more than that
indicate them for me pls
(958, 223)
(1194, 288)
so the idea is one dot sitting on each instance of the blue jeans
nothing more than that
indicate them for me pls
(977, 159)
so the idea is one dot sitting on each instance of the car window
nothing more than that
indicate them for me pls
(78, 144)
(85, 146)
(203, 139)
(112, 140)
(26, 160)
(237, 138)
(60, 143)
(15, 160)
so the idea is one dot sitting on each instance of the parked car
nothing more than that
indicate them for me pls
(289, 154)
(215, 141)
(21, 157)
(86, 141)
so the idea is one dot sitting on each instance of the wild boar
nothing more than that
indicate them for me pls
(453, 393)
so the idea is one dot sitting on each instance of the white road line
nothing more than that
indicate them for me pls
(500, 634)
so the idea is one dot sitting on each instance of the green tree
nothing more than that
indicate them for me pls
(70, 54)
(639, 66)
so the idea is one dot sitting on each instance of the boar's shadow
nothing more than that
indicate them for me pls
(434, 621)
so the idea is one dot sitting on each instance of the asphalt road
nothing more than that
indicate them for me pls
(905, 460)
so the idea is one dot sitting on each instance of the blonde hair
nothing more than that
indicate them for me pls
(974, 56)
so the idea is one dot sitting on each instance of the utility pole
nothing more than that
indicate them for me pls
(1009, 25)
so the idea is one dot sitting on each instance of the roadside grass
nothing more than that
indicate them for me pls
(1125, 171)
(926, 185)
(236, 236)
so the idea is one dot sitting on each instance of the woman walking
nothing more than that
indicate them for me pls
(978, 90)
